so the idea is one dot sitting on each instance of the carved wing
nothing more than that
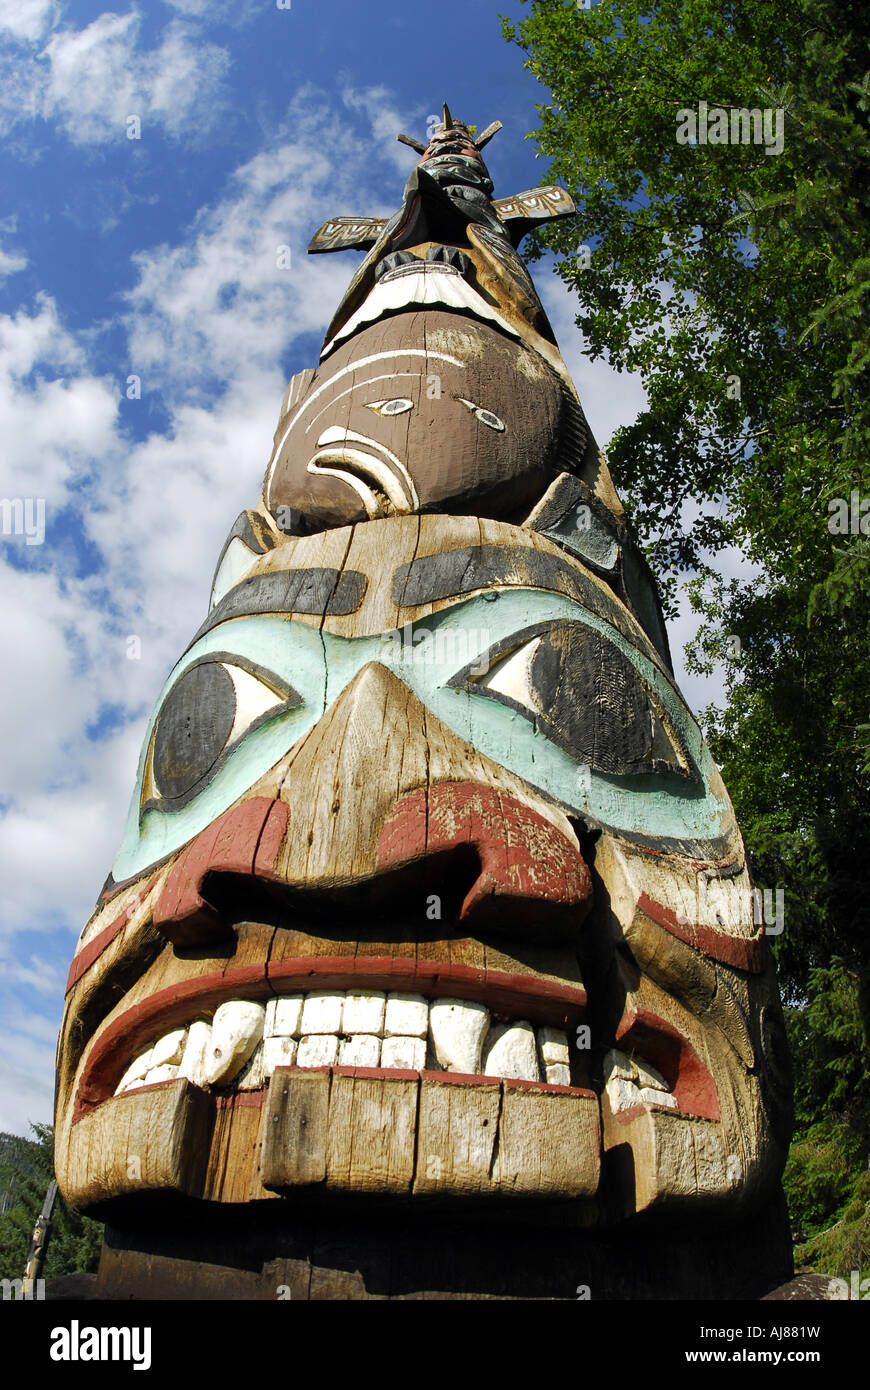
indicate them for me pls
(347, 233)
(535, 205)
(524, 211)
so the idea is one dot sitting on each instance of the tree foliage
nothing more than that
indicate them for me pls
(26, 1169)
(736, 282)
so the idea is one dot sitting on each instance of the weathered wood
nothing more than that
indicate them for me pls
(547, 1143)
(151, 1140)
(295, 1129)
(372, 1134)
(457, 1136)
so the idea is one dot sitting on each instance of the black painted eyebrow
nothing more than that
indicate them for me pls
(453, 573)
(319, 591)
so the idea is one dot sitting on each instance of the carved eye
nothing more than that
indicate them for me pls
(511, 675)
(584, 695)
(395, 407)
(208, 711)
(486, 417)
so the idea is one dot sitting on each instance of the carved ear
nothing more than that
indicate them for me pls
(252, 534)
(573, 515)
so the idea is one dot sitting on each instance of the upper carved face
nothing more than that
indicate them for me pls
(419, 413)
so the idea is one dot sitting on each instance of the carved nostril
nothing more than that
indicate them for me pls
(533, 880)
(244, 841)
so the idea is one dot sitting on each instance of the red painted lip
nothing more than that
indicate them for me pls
(660, 1043)
(519, 996)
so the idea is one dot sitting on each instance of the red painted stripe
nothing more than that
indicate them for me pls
(369, 1073)
(560, 1005)
(89, 953)
(548, 1087)
(743, 952)
(239, 1099)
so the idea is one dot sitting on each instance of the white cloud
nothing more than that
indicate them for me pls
(10, 263)
(98, 77)
(90, 81)
(235, 12)
(55, 417)
(377, 104)
(26, 20)
(28, 1070)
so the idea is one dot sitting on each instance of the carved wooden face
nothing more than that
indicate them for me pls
(429, 886)
(416, 413)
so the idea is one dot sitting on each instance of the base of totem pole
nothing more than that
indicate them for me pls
(337, 1254)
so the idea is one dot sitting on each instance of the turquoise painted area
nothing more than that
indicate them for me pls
(425, 656)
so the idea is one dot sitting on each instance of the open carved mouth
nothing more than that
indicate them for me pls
(440, 1021)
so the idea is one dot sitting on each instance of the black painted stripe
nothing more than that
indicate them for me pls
(452, 573)
(319, 591)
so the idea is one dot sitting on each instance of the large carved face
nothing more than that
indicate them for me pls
(429, 887)
(408, 900)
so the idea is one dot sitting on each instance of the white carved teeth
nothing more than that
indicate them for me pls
(196, 1049)
(318, 1050)
(360, 1050)
(409, 1053)
(364, 1013)
(283, 1015)
(511, 1051)
(407, 1016)
(321, 1012)
(554, 1054)
(246, 1041)
(235, 1032)
(170, 1049)
(459, 1027)
(629, 1081)
(278, 1051)
(135, 1073)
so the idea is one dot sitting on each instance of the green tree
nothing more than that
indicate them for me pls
(26, 1169)
(735, 280)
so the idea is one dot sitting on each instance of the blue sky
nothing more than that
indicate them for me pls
(157, 257)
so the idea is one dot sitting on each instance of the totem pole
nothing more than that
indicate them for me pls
(428, 964)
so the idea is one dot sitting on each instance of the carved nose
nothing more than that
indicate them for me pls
(530, 878)
(378, 800)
